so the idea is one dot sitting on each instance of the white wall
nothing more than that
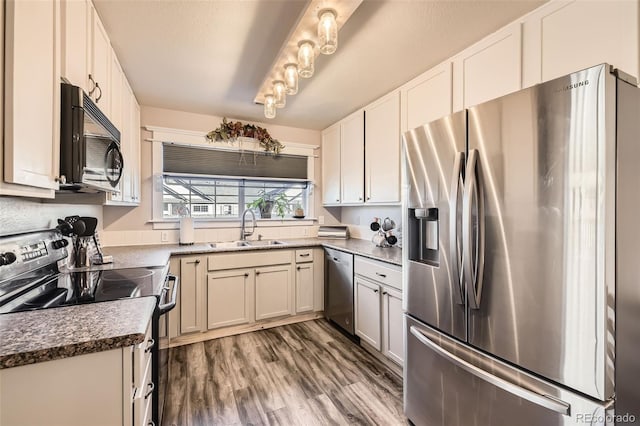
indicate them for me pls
(135, 220)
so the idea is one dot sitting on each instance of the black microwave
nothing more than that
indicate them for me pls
(90, 155)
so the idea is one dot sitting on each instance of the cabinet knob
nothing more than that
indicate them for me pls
(246, 274)
(375, 291)
(337, 200)
(368, 198)
(359, 198)
(384, 293)
(257, 272)
(298, 268)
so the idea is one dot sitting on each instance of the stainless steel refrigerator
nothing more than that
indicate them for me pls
(522, 258)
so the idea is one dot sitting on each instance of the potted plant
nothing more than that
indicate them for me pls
(266, 203)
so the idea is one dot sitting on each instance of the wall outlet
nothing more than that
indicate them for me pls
(320, 220)
(164, 236)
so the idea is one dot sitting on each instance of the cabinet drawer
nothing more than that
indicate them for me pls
(381, 272)
(304, 255)
(142, 359)
(222, 261)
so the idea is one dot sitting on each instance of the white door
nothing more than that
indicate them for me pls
(191, 295)
(273, 291)
(392, 325)
(427, 97)
(352, 154)
(304, 287)
(32, 94)
(367, 310)
(382, 135)
(230, 297)
(76, 28)
(100, 65)
(331, 165)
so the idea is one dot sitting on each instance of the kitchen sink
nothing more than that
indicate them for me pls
(266, 243)
(229, 244)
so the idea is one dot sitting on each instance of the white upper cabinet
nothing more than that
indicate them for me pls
(382, 150)
(331, 165)
(563, 37)
(31, 98)
(352, 154)
(100, 65)
(489, 69)
(76, 29)
(427, 97)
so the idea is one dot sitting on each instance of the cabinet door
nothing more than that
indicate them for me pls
(427, 97)
(192, 297)
(352, 154)
(230, 297)
(489, 69)
(116, 94)
(367, 310)
(32, 94)
(382, 136)
(273, 291)
(392, 325)
(563, 37)
(100, 64)
(174, 314)
(331, 165)
(135, 150)
(76, 29)
(304, 287)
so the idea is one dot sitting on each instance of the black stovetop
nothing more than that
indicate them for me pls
(73, 288)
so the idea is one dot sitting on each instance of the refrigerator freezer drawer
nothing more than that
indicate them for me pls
(448, 383)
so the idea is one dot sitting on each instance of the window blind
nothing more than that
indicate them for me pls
(202, 161)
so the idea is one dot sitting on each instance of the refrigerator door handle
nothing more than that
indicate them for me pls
(545, 401)
(455, 249)
(473, 196)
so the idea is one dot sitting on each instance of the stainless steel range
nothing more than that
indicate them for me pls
(30, 279)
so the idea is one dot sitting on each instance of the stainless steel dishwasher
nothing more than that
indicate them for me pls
(338, 287)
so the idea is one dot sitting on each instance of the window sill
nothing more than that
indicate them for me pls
(231, 223)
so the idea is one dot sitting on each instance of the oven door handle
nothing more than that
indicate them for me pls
(163, 308)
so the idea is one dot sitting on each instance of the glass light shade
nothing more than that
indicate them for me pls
(305, 59)
(291, 79)
(327, 31)
(279, 93)
(269, 106)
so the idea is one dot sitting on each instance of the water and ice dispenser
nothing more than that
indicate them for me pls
(424, 223)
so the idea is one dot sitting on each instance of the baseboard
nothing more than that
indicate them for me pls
(239, 329)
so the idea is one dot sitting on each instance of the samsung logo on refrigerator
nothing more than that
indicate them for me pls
(573, 86)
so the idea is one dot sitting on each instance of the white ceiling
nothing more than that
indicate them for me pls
(210, 57)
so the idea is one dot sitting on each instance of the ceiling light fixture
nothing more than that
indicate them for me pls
(291, 78)
(327, 31)
(316, 32)
(279, 94)
(269, 106)
(306, 59)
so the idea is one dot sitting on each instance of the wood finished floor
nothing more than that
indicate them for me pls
(299, 374)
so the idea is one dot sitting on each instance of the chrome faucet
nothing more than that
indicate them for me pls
(243, 233)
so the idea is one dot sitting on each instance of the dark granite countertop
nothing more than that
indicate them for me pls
(158, 255)
(36, 336)
(48, 334)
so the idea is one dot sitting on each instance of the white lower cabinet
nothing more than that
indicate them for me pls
(367, 311)
(230, 297)
(305, 278)
(392, 325)
(273, 292)
(192, 294)
(378, 306)
(107, 388)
